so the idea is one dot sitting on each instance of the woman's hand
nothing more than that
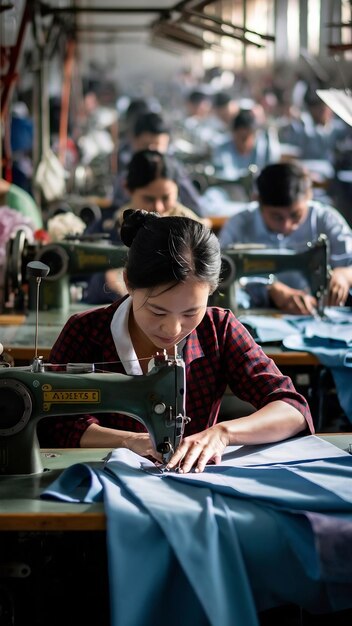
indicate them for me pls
(197, 450)
(96, 436)
(141, 444)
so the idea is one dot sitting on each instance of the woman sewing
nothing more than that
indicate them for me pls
(173, 266)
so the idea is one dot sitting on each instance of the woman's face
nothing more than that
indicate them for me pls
(166, 314)
(159, 196)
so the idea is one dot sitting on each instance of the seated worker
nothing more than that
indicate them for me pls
(151, 132)
(320, 139)
(197, 124)
(316, 132)
(17, 198)
(285, 216)
(136, 107)
(225, 107)
(151, 184)
(249, 145)
(173, 266)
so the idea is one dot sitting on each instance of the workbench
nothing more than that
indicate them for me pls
(54, 560)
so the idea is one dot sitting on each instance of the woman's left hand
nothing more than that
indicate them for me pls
(197, 450)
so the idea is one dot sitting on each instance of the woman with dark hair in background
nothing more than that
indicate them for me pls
(151, 183)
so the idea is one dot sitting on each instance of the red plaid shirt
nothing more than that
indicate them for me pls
(219, 352)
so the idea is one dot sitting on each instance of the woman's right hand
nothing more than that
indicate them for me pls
(141, 444)
(96, 436)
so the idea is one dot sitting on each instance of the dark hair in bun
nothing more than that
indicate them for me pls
(168, 249)
(132, 221)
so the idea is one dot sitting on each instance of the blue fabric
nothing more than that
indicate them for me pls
(217, 547)
(329, 339)
(268, 329)
(334, 353)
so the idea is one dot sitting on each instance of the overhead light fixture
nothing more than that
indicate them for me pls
(225, 27)
(179, 35)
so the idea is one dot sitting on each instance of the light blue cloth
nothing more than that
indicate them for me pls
(217, 547)
(268, 329)
(331, 343)
(329, 339)
(337, 324)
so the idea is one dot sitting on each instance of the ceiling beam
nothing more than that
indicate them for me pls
(47, 9)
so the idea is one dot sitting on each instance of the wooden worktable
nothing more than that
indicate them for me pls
(23, 510)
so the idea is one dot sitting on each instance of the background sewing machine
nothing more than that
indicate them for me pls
(245, 261)
(76, 257)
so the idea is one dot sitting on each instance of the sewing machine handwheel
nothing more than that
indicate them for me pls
(15, 407)
(228, 271)
(56, 258)
(15, 262)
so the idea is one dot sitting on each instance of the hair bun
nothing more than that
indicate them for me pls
(133, 220)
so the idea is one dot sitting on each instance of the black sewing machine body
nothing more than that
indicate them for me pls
(251, 260)
(27, 395)
(77, 256)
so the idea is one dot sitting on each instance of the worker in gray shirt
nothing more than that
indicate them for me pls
(285, 216)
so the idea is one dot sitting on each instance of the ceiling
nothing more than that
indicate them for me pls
(121, 15)
(179, 22)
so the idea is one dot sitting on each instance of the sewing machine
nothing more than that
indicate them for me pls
(240, 261)
(44, 390)
(76, 256)
(39, 391)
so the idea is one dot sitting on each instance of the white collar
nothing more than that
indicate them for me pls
(122, 338)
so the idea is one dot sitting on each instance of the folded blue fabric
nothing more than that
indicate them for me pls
(335, 327)
(328, 334)
(267, 329)
(217, 547)
(337, 359)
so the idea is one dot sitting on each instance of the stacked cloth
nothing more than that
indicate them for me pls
(215, 548)
(331, 342)
(328, 338)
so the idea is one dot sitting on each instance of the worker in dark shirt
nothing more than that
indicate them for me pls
(151, 132)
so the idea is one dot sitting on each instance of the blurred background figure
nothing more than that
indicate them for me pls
(318, 138)
(21, 137)
(316, 132)
(250, 145)
(151, 132)
(96, 135)
(197, 127)
(225, 107)
(135, 108)
(151, 182)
